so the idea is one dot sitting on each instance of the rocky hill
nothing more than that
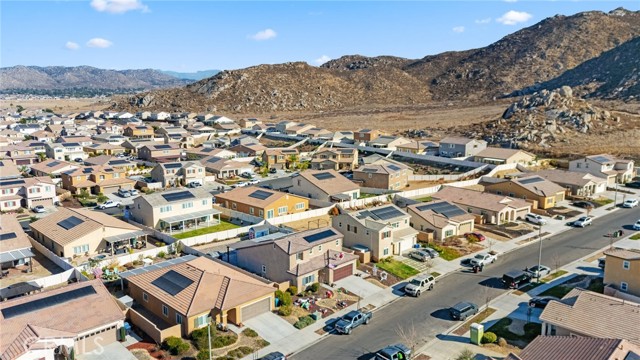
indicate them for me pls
(520, 60)
(83, 77)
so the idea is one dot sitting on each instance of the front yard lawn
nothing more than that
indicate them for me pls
(446, 253)
(602, 201)
(501, 329)
(554, 276)
(224, 225)
(635, 237)
(425, 199)
(558, 291)
(397, 268)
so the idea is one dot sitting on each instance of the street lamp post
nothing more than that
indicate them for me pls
(209, 336)
(539, 251)
(615, 197)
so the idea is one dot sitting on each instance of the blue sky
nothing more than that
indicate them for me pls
(199, 35)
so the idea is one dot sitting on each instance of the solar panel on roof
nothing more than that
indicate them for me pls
(173, 165)
(87, 170)
(178, 196)
(386, 213)
(70, 222)
(1, 163)
(443, 208)
(172, 282)
(46, 302)
(531, 180)
(8, 236)
(369, 170)
(394, 167)
(319, 236)
(601, 159)
(11, 182)
(118, 162)
(70, 144)
(163, 146)
(260, 194)
(323, 176)
(53, 163)
(108, 170)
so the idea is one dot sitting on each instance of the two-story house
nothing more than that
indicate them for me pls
(622, 270)
(385, 230)
(174, 174)
(279, 158)
(499, 156)
(383, 174)
(177, 209)
(113, 139)
(96, 180)
(443, 218)
(301, 258)
(138, 132)
(65, 151)
(52, 168)
(335, 159)
(16, 247)
(249, 123)
(325, 185)
(453, 147)
(27, 192)
(544, 193)
(388, 142)
(160, 153)
(261, 202)
(605, 166)
(366, 135)
(21, 155)
(419, 147)
(103, 149)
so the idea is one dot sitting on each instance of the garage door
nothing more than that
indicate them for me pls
(255, 309)
(342, 272)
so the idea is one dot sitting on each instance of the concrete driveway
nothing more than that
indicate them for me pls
(271, 327)
(112, 351)
(358, 286)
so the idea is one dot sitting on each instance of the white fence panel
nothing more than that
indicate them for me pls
(502, 167)
(300, 216)
(50, 255)
(466, 183)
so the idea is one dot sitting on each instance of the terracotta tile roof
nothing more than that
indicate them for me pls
(569, 177)
(70, 318)
(481, 200)
(501, 153)
(330, 185)
(330, 259)
(542, 187)
(208, 289)
(573, 348)
(626, 254)
(10, 227)
(241, 195)
(592, 314)
(437, 219)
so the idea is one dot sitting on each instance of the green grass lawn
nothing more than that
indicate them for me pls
(554, 276)
(435, 274)
(446, 252)
(602, 201)
(224, 225)
(366, 195)
(558, 291)
(425, 199)
(398, 269)
(479, 318)
(501, 329)
(635, 237)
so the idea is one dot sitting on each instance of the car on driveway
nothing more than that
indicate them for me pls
(124, 193)
(584, 204)
(38, 209)
(536, 271)
(633, 185)
(582, 222)
(630, 203)
(134, 192)
(475, 235)
(108, 204)
(535, 219)
(541, 301)
(636, 226)
(462, 310)
(423, 254)
(274, 356)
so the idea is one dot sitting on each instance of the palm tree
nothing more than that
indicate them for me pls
(42, 157)
(292, 161)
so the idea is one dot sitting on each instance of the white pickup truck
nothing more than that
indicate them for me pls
(483, 259)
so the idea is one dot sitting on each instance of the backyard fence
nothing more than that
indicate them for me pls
(62, 263)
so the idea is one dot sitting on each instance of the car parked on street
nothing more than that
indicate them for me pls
(633, 185)
(352, 320)
(636, 226)
(274, 356)
(583, 222)
(109, 204)
(476, 235)
(134, 192)
(535, 219)
(515, 278)
(394, 352)
(483, 259)
(541, 301)
(423, 254)
(419, 284)
(462, 310)
(540, 271)
(630, 203)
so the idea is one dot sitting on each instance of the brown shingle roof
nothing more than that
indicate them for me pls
(330, 186)
(481, 200)
(569, 177)
(570, 348)
(9, 225)
(437, 219)
(241, 195)
(626, 254)
(542, 187)
(501, 153)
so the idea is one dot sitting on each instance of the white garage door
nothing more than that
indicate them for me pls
(255, 309)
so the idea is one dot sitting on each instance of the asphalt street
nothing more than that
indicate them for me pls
(429, 315)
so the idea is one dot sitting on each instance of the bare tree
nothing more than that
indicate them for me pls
(556, 262)
(429, 265)
(491, 242)
(486, 296)
(409, 336)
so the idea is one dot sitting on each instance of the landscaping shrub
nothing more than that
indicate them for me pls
(489, 338)
(292, 290)
(175, 345)
(502, 342)
(465, 354)
(239, 352)
(203, 355)
(303, 322)
(248, 332)
(263, 343)
(286, 299)
(218, 339)
(161, 254)
(285, 310)
(314, 287)
(278, 294)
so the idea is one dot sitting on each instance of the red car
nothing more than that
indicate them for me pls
(476, 235)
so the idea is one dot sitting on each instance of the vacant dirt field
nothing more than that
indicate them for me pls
(59, 105)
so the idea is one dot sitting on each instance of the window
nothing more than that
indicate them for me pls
(299, 256)
(340, 224)
(511, 194)
(348, 227)
(187, 205)
(448, 233)
(395, 225)
(200, 321)
(366, 231)
(251, 211)
(101, 177)
(626, 265)
(624, 286)
(338, 242)
(319, 247)
(269, 214)
(451, 146)
(165, 208)
(205, 202)
(282, 210)
(264, 268)
(355, 229)
(308, 280)
(499, 192)
(370, 175)
(81, 249)
(178, 319)
(165, 310)
(299, 206)
(260, 213)
(145, 297)
(578, 165)
(385, 252)
(386, 234)
(549, 200)
(234, 206)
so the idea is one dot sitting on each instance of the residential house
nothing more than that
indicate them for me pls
(174, 174)
(383, 174)
(577, 347)
(16, 247)
(27, 129)
(453, 147)
(65, 322)
(283, 125)
(248, 150)
(622, 270)
(82, 140)
(160, 116)
(9, 170)
(244, 140)
(52, 168)
(499, 156)
(183, 208)
(181, 298)
(317, 133)
(111, 128)
(544, 193)
(419, 147)
(298, 129)
(54, 129)
(139, 132)
(335, 159)
(279, 158)
(605, 166)
(388, 142)
(160, 153)
(27, 193)
(96, 180)
(583, 313)
(261, 202)
(488, 208)
(133, 146)
(113, 139)
(301, 258)
(21, 155)
(103, 149)
(202, 152)
(385, 230)
(225, 129)
(325, 185)
(342, 136)
(366, 135)
(578, 183)
(249, 123)
(43, 136)
(75, 232)
(443, 218)
(225, 168)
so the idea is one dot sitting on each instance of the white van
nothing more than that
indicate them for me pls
(535, 219)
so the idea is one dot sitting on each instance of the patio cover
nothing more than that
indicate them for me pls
(189, 216)
(157, 266)
(16, 255)
(129, 235)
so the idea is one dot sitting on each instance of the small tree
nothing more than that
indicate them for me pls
(465, 354)
(42, 157)
(409, 335)
(101, 198)
(19, 109)
(84, 193)
(556, 262)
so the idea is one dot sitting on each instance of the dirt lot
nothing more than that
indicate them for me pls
(311, 223)
(59, 105)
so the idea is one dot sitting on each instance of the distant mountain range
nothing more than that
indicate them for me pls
(195, 76)
(600, 47)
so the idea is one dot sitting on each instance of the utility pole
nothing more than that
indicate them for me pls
(209, 336)
(615, 197)
(539, 251)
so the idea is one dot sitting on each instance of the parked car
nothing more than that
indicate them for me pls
(462, 310)
(601, 263)
(240, 184)
(583, 222)
(124, 193)
(253, 182)
(134, 192)
(515, 278)
(541, 301)
(483, 259)
(476, 235)
(274, 356)
(38, 209)
(352, 320)
(247, 175)
(194, 184)
(423, 254)
(273, 170)
(535, 219)
(419, 284)
(78, 160)
(584, 204)
(540, 271)
(636, 226)
(394, 352)
(109, 204)
(630, 203)
(633, 185)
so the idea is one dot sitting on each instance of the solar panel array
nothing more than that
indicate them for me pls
(163, 146)
(394, 167)
(386, 213)
(319, 236)
(260, 194)
(87, 170)
(601, 159)
(444, 208)
(11, 182)
(323, 176)
(178, 196)
(369, 170)
(7, 236)
(53, 163)
(530, 180)
(173, 165)
(172, 282)
(118, 162)
(46, 302)
(156, 266)
(70, 222)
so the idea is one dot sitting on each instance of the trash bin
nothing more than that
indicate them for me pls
(477, 330)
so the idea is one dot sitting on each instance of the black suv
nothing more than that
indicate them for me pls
(462, 310)
(515, 278)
